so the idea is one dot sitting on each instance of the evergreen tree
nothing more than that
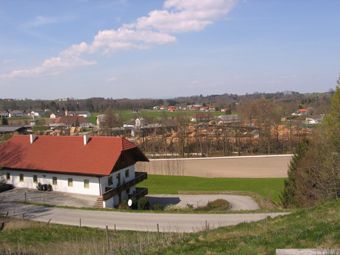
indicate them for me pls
(288, 196)
(4, 121)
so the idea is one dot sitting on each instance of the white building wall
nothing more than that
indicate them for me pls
(104, 180)
(114, 201)
(46, 178)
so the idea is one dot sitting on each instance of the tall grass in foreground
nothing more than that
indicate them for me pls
(32, 238)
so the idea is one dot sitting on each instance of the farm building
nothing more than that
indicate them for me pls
(98, 165)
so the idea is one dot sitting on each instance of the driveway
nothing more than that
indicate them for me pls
(48, 197)
(237, 202)
(130, 221)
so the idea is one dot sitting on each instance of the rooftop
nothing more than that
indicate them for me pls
(97, 156)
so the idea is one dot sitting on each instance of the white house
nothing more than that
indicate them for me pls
(98, 165)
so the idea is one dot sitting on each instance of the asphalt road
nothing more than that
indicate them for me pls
(262, 166)
(130, 221)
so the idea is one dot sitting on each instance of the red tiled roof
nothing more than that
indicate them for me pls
(66, 154)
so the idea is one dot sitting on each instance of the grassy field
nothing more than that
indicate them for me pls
(305, 228)
(317, 227)
(269, 188)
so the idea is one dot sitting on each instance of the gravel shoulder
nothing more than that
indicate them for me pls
(237, 202)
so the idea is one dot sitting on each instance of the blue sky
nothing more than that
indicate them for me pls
(166, 48)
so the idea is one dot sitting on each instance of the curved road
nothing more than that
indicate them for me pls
(130, 221)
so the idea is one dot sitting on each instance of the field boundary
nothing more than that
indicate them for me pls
(225, 157)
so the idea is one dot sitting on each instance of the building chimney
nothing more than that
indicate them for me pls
(32, 138)
(86, 139)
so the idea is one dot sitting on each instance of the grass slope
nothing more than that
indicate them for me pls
(22, 237)
(317, 227)
(269, 188)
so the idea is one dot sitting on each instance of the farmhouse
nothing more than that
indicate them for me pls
(98, 165)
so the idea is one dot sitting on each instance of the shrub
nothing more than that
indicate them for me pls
(143, 204)
(218, 204)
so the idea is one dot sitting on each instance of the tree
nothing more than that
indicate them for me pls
(111, 120)
(288, 196)
(314, 173)
(4, 121)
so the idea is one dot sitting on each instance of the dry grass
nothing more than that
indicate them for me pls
(27, 237)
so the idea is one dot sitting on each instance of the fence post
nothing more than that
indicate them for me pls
(80, 222)
(25, 197)
(107, 239)
(157, 228)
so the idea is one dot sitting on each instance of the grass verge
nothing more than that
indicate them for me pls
(317, 227)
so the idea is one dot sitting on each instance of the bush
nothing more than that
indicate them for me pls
(218, 204)
(143, 204)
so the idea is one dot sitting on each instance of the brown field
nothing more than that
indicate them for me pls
(267, 166)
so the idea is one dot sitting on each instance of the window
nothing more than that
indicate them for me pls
(8, 176)
(127, 173)
(70, 182)
(21, 177)
(110, 181)
(35, 179)
(54, 180)
(86, 184)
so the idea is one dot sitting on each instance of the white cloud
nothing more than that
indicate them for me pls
(126, 38)
(157, 28)
(186, 15)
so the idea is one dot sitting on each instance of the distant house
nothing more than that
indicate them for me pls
(171, 108)
(13, 129)
(202, 117)
(53, 116)
(311, 121)
(72, 121)
(228, 119)
(204, 109)
(314, 120)
(84, 114)
(16, 113)
(301, 112)
(37, 113)
(4, 114)
(97, 166)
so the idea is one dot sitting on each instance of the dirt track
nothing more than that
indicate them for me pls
(266, 166)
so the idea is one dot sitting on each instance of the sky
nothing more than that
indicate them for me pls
(166, 48)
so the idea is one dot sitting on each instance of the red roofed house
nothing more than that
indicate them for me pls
(98, 165)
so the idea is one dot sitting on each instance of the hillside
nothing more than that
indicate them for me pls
(307, 228)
